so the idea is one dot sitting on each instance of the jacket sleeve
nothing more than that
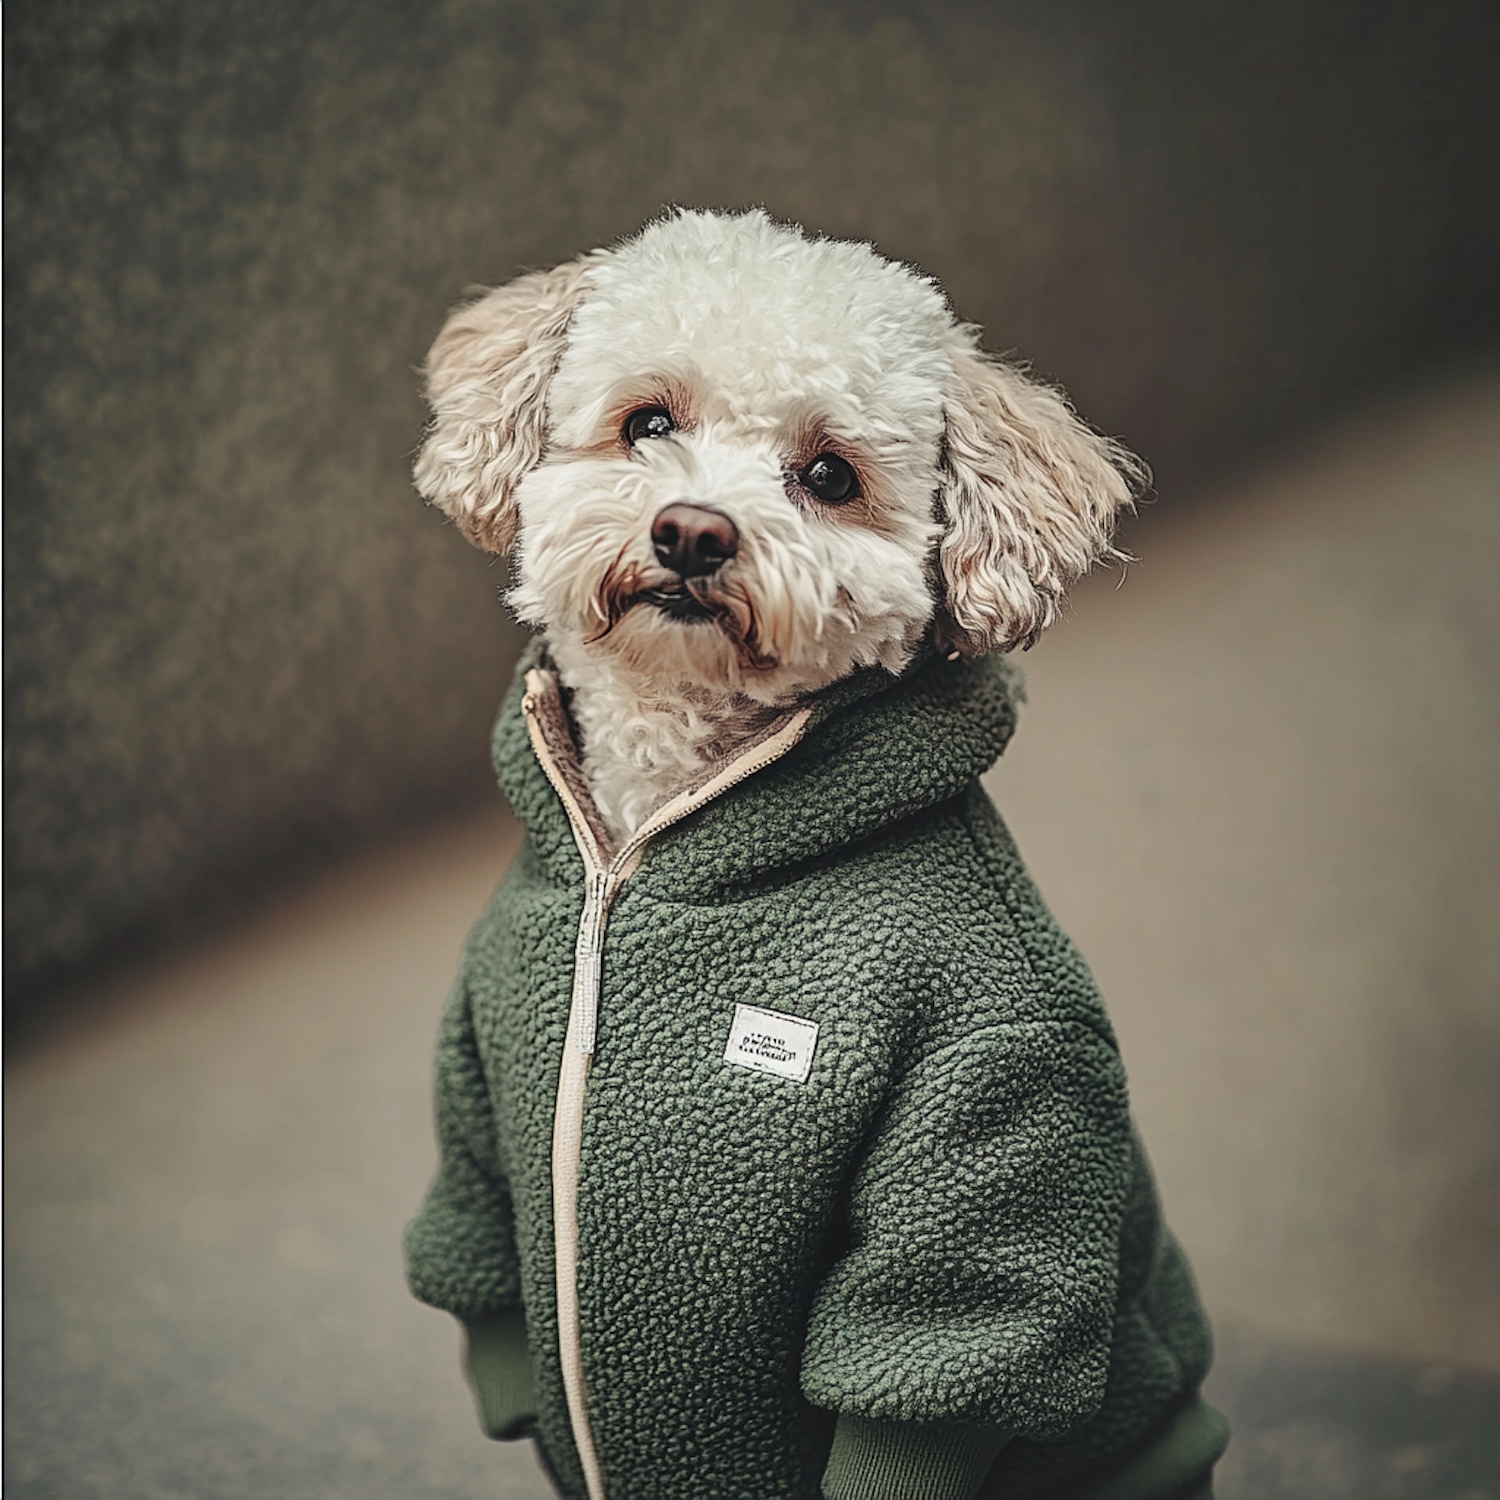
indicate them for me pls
(978, 1287)
(461, 1247)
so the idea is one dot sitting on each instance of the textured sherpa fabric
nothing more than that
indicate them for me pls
(949, 1222)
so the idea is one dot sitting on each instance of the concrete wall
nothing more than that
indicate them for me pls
(233, 636)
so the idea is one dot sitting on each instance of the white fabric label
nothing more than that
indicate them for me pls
(770, 1042)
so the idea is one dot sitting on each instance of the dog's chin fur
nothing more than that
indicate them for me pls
(980, 495)
(657, 700)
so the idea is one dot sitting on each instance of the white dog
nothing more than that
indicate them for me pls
(742, 463)
(785, 1145)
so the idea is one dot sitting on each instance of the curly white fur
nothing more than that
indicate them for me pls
(982, 497)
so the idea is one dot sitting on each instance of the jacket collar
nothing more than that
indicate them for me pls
(553, 741)
(871, 751)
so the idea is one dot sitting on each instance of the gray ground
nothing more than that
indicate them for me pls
(1257, 783)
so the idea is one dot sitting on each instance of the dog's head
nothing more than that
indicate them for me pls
(738, 458)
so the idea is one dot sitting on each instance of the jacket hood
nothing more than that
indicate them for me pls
(877, 750)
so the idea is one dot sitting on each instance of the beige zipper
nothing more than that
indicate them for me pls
(604, 874)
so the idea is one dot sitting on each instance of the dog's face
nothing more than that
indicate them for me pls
(743, 437)
(739, 459)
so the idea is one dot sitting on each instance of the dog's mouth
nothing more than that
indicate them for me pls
(679, 603)
(717, 599)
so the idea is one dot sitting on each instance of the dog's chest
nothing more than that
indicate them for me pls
(638, 751)
(627, 790)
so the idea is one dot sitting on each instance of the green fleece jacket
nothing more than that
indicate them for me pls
(857, 1208)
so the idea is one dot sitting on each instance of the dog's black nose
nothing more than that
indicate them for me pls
(692, 540)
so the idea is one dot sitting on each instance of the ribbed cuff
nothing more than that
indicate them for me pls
(908, 1460)
(498, 1361)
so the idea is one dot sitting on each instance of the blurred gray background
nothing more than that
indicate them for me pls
(249, 679)
(235, 640)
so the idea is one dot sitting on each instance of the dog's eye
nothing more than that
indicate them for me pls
(831, 479)
(648, 422)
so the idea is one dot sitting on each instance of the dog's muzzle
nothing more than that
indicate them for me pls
(692, 542)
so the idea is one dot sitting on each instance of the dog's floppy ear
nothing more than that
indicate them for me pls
(486, 380)
(1028, 502)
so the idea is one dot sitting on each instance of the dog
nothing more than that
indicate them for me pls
(742, 464)
(776, 518)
